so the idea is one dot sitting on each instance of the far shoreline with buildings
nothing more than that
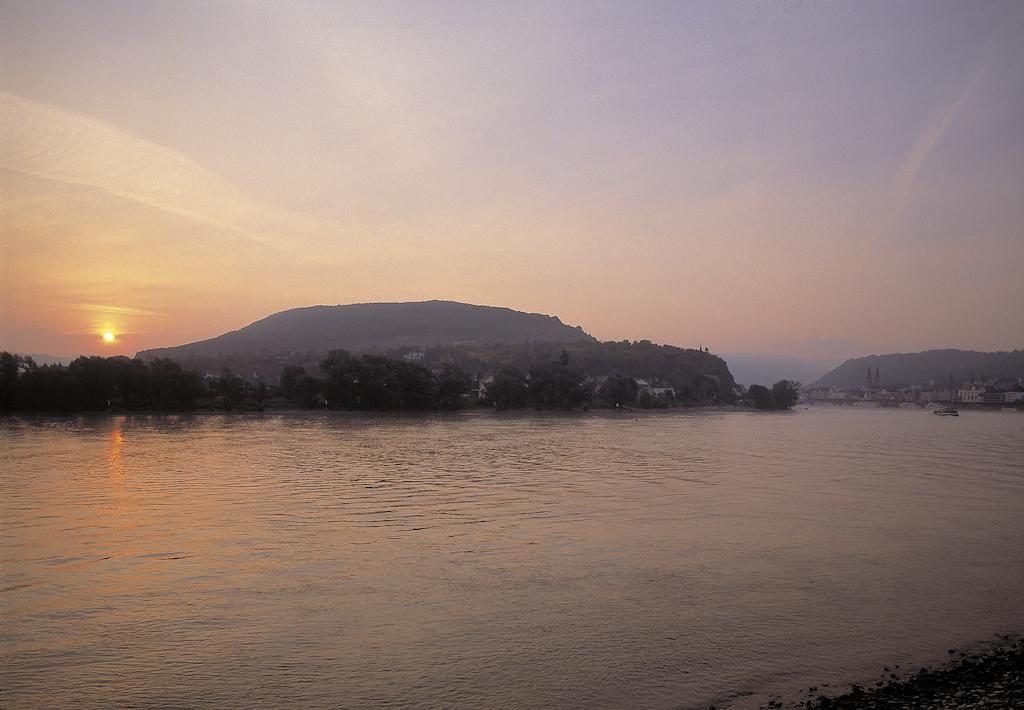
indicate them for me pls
(981, 392)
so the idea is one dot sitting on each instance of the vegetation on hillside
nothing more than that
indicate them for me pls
(931, 367)
(695, 375)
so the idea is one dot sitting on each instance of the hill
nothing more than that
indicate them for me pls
(367, 327)
(925, 367)
(480, 339)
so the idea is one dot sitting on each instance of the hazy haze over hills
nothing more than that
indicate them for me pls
(45, 359)
(762, 368)
(921, 368)
(375, 326)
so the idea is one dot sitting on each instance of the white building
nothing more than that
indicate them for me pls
(974, 395)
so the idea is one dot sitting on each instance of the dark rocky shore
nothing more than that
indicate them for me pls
(989, 677)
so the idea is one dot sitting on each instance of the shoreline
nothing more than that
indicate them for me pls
(521, 411)
(388, 413)
(986, 676)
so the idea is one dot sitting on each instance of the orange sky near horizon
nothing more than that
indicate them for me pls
(822, 181)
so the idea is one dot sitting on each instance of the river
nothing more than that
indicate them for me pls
(484, 560)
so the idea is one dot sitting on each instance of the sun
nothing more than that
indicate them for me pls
(109, 337)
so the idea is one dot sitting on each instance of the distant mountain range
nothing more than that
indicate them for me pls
(366, 327)
(924, 368)
(43, 359)
(764, 369)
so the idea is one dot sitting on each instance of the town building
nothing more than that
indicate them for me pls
(971, 395)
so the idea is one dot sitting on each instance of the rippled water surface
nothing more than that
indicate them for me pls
(480, 560)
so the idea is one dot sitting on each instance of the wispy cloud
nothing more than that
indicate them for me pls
(47, 142)
(906, 175)
(117, 310)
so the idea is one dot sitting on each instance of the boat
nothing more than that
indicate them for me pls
(948, 411)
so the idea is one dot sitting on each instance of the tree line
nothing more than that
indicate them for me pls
(96, 383)
(341, 381)
(375, 382)
(695, 375)
(782, 395)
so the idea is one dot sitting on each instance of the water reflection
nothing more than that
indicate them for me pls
(486, 561)
(115, 455)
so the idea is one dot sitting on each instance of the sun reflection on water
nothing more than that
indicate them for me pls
(115, 459)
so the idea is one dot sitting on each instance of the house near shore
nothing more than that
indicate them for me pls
(656, 389)
(657, 394)
(971, 395)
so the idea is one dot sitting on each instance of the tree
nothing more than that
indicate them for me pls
(94, 379)
(299, 387)
(169, 386)
(230, 390)
(761, 397)
(452, 383)
(785, 394)
(509, 388)
(619, 391)
(262, 392)
(559, 385)
(376, 384)
(341, 379)
(419, 386)
(9, 365)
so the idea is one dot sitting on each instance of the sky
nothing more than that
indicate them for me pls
(815, 179)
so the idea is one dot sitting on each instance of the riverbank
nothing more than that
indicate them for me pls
(988, 677)
(304, 411)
